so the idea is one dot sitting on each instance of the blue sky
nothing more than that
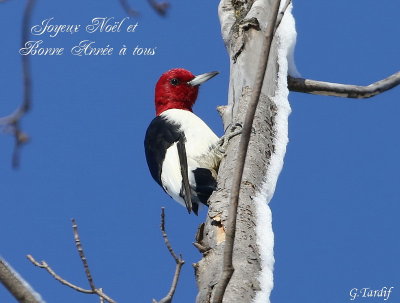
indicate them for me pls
(336, 207)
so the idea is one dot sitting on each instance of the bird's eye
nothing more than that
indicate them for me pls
(174, 81)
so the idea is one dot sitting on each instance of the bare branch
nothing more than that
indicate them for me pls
(160, 7)
(228, 268)
(27, 101)
(81, 253)
(343, 90)
(16, 285)
(45, 266)
(101, 298)
(11, 123)
(93, 290)
(128, 9)
(165, 236)
(178, 260)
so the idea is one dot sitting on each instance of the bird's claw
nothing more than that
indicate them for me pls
(232, 131)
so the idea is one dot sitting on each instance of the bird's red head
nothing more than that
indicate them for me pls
(178, 88)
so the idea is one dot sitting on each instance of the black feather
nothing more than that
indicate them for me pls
(185, 189)
(160, 135)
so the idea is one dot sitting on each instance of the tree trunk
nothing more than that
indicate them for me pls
(243, 26)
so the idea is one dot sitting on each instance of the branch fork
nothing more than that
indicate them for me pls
(93, 289)
(178, 260)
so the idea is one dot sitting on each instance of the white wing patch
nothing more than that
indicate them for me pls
(199, 140)
(171, 177)
(199, 137)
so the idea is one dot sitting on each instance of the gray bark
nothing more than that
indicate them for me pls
(16, 285)
(343, 90)
(243, 26)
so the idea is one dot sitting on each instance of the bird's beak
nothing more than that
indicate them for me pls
(200, 79)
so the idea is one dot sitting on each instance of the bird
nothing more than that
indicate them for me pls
(180, 148)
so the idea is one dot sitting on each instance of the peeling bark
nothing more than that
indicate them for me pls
(243, 26)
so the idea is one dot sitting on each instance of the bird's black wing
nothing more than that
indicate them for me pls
(205, 184)
(185, 189)
(160, 135)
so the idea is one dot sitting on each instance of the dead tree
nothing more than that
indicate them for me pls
(253, 31)
(245, 26)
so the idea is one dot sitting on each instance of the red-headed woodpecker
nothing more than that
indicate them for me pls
(179, 145)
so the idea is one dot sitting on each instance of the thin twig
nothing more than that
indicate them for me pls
(101, 298)
(26, 21)
(16, 285)
(128, 9)
(165, 236)
(45, 266)
(11, 123)
(81, 253)
(178, 260)
(228, 268)
(343, 90)
(78, 244)
(160, 7)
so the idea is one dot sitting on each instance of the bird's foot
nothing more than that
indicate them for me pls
(223, 142)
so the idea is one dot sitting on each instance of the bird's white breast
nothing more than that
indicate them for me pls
(199, 137)
(200, 140)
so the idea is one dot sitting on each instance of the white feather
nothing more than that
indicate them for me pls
(200, 139)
